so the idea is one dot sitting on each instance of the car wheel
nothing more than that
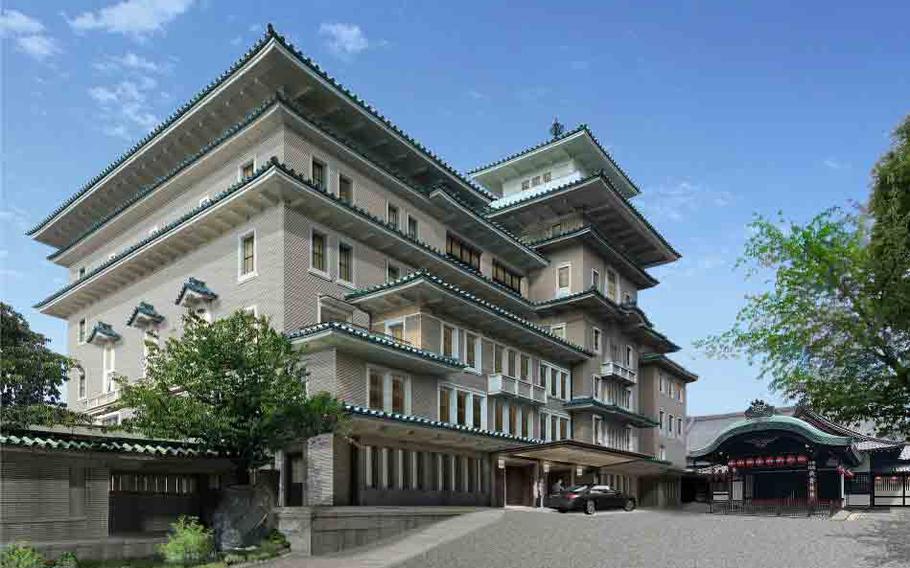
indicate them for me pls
(590, 507)
(630, 505)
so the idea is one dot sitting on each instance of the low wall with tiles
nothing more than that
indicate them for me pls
(317, 531)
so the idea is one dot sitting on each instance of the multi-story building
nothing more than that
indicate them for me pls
(483, 330)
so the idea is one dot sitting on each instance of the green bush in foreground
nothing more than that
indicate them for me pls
(21, 556)
(67, 560)
(188, 543)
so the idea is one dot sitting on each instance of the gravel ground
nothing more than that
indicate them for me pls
(531, 539)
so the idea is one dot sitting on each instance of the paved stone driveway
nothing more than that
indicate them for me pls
(531, 539)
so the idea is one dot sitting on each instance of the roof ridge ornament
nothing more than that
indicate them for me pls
(558, 128)
(759, 409)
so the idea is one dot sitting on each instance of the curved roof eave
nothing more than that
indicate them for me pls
(776, 422)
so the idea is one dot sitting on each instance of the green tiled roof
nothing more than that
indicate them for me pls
(580, 128)
(661, 359)
(272, 164)
(639, 420)
(439, 282)
(197, 286)
(85, 443)
(408, 419)
(772, 423)
(104, 329)
(373, 337)
(147, 310)
(578, 231)
(249, 55)
(578, 183)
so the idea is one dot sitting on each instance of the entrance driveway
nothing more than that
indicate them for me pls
(670, 539)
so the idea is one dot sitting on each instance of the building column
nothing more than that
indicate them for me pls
(281, 466)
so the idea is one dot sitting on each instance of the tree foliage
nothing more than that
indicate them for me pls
(31, 376)
(833, 330)
(235, 386)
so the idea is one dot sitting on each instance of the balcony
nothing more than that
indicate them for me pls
(100, 400)
(499, 384)
(613, 370)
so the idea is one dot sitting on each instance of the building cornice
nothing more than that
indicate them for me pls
(591, 403)
(661, 360)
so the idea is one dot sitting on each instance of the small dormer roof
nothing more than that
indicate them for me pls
(578, 144)
(144, 314)
(103, 333)
(195, 290)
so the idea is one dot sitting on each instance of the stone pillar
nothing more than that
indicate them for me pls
(281, 466)
(296, 524)
(319, 470)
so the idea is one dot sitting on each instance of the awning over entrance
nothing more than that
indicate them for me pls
(584, 454)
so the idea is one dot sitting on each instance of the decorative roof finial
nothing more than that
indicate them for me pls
(759, 409)
(557, 129)
(269, 29)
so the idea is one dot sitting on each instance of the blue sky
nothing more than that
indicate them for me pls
(717, 110)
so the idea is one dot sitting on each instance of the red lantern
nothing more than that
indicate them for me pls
(791, 460)
(779, 460)
(801, 459)
(750, 462)
(740, 462)
(731, 463)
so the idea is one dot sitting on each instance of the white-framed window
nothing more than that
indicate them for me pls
(396, 329)
(681, 393)
(670, 425)
(595, 279)
(345, 263)
(319, 174)
(388, 390)
(662, 382)
(629, 360)
(80, 334)
(461, 405)
(612, 285)
(246, 256)
(247, 169)
(554, 426)
(392, 271)
(662, 454)
(319, 252)
(559, 330)
(449, 341)
(557, 380)
(679, 427)
(108, 366)
(149, 343)
(472, 350)
(345, 189)
(392, 215)
(413, 228)
(80, 383)
(563, 279)
(661, 420)
(597, 339)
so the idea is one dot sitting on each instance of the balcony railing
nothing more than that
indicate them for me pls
(102, 399)
(499, 384)
(614, 370)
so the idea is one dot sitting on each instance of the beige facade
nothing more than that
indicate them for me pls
(487, 313)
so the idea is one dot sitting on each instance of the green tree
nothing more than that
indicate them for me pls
(234, 386)
(825, 332)
(31, 376)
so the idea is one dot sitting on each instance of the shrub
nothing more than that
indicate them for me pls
(232, 558)
(21, 556)
(188, 543)
(67, 560)
(277, 538)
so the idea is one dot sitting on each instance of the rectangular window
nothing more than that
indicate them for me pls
(554, 428)
(345, 189)
(470, 350)
(497, 358)
(461, 408)
(525, 184)
(319, 174)
(595, 279)
(543, 428)
(448, 341)
(392, 216)
(511, 366)
(525, 368)
(679, 426)
(524, 425)
(542, 376)
(630, 356)
(477, 411)
(412, 227)
(82, 330)
(564, 384)
(248, 255)
(612, 286)
(398, 384)
(396, 330)
(558, 330)
(376, 390)
(246, 170)
(547, 176)
(670, 425)
(563, 429)
(506, 277)
(108, 366)
(345, 262)
(444, 401)
(661, 419)
(563, 279)
(81, 377)
(598, 341)
(535, 181)
(460, 250)
(318, 252)
(513, 420)
(393, 272)
(497, 416)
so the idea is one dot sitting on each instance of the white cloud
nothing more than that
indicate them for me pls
(343, 40)
(835, 164)
(13, 22)
(137, 18)
(128, 61)
(28, 35)
(125, 106)
(676, 201)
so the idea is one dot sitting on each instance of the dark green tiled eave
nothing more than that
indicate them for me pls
(634, 418)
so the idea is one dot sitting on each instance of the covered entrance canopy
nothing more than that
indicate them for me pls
(590, 455)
